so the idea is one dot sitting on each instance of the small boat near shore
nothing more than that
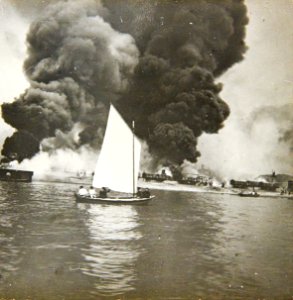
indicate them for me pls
(248, 194)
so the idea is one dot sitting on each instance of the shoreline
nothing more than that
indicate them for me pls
(174, 186)
(207, 190)
(168, 186)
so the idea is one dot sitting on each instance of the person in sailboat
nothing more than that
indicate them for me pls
(139, 193)
(82, 191)
(143, 193)
(146, 193)
(92, 192)
(104, 192)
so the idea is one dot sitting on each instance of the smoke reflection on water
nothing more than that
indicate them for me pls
(113, 248)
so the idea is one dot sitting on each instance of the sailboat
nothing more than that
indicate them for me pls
(117, 167)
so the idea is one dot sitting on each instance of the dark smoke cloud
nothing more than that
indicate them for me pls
(82, 56)
(184, 45)
(20, 146)
(76, 64)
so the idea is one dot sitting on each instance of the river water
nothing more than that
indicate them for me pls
(182, 245)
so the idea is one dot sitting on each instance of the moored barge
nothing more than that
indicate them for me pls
(7, 174)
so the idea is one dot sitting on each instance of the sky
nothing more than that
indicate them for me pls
(13, 29)
(249, 144)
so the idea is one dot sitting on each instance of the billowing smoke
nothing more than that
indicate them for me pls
(77, 63)
(259, 90)
(282, 116)
(83, 55)
(257, 144)
(184, 45)
(12, 50)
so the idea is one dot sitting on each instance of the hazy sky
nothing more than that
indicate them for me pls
(263, 78)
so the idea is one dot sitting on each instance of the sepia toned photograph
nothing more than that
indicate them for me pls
(146, 149)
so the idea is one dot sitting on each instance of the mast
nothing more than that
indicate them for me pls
(133, 161)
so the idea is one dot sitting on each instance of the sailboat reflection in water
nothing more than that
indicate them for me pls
(113, 248)
(118, 165)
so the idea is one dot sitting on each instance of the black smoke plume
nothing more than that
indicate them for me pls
(21, 145)
(76, 64)
(82, 56)
(184, 45)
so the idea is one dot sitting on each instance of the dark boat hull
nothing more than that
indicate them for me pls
(15, 175)
(112, 200)
(248, 195)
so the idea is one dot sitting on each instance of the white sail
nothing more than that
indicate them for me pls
(118, 163)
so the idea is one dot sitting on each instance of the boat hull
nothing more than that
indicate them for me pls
(112, 200)
(15, 175)
(248, 195)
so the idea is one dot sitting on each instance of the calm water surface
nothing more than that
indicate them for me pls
(180, 246)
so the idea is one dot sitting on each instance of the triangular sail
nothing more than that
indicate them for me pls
(120, 152)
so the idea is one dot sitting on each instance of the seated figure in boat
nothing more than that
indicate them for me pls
(146, 193)
(92, 192)
(104, 192)
(139, 192)
(82, 191)
(143, 193)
